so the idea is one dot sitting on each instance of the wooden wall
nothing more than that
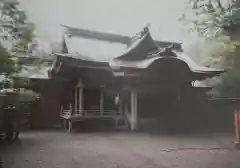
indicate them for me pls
(45, 113)
(194, 115)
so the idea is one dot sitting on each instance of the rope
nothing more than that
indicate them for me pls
(199, 149)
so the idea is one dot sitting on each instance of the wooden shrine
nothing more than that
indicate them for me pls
(114, 89)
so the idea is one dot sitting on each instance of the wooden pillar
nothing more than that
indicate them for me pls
(80, 99)
(134, 115)
(120, 105)
(101, 100)
(1, 162)
(69, 122)
(75, 99)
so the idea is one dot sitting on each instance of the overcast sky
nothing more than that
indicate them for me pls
(124, 17)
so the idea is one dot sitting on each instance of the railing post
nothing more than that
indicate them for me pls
(71, 109)
(69, 126)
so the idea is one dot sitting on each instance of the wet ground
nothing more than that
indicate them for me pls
(120, 150)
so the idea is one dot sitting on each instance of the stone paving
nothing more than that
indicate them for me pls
(120, 150)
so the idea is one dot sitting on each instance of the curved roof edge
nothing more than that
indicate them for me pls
(139, 48)
(81, 61)
(143, 50)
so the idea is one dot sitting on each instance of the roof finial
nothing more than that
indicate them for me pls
(146, 28)
(167, 51)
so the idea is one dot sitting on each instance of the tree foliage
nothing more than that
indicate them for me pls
(13, 21)
(15, 34)
(212, 18)
(218, 23)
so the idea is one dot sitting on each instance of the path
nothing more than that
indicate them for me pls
(120, 150)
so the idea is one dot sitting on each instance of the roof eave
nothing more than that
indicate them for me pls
(202, 75)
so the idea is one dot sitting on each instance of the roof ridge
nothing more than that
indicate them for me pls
(111, 37)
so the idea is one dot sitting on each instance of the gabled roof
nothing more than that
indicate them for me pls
(143, 52)
(139, 48)
(139, 52)
(95, 50)
(103, 47)
(113, 38)
(92, 73)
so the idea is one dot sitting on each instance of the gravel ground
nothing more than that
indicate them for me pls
(120, 150)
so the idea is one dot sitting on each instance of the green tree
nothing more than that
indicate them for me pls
(16, 36)
(218, 23)
(15, 33)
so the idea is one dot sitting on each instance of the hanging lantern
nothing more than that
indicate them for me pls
(116, 100)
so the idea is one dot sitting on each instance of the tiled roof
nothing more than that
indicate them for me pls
(138, 52)
(100, 46)
(93, 49)
(78, 32)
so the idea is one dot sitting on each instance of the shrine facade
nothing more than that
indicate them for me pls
(147, 78)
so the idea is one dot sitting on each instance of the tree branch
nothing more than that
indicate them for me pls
(220, 6)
